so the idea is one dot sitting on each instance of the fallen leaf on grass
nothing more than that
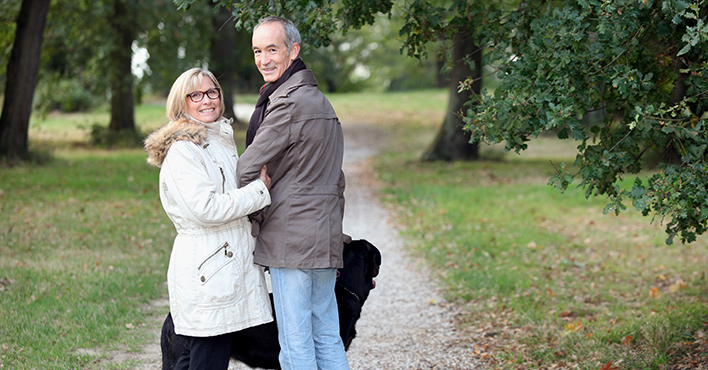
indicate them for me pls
(608, 366)
(574, 327)
(480, 348)
(654, 292)
(675, 287)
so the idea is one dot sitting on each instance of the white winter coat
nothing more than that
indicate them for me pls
(214, 286)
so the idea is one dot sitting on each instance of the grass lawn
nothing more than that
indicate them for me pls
(541, 279)
(82, 254)
(544, 280)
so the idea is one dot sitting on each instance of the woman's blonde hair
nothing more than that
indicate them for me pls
(187, 82)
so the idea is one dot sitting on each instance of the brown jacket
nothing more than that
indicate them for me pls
(301, 142)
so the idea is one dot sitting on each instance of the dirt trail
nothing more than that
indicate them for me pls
(405, 323)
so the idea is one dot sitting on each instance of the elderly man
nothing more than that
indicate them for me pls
(295, 132)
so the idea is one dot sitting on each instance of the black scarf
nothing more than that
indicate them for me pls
(266, 91)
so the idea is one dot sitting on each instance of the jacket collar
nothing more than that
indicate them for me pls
(298, 79)
(159, 142)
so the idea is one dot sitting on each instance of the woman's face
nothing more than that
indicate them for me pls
(204, 104)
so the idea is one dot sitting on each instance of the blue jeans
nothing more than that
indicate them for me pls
(308, 320)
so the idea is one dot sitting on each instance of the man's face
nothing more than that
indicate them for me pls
(271, 52)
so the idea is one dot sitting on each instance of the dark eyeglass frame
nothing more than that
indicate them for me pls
(198, 96)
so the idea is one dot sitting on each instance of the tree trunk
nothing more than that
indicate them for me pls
(121, 76)
(22, 69)
(452, 143)
(671, 154)
(441, 79)
(223, 58)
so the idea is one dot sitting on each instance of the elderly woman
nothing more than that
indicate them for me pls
(214, 286)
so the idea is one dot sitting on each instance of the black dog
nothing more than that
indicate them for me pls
(258, 346)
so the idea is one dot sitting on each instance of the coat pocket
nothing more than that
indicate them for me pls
(313, 216)
(214, 262)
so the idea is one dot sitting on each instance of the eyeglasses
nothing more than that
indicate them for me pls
(198, 96)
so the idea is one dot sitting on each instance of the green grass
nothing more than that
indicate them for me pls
(544, 278)
(66, 129)
(388, 109)
(84, 244)
(540, 278)
(83, 247)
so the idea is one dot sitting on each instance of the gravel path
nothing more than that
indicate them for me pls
(405, 324)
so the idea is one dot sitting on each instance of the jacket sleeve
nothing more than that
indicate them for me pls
(191, 193)
(272, 139)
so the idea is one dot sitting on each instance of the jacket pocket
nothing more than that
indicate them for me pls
(313, 217)
(214, 262)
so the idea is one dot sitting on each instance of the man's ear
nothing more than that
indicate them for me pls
(294, 51)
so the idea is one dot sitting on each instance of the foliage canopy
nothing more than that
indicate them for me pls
(625, 78)
(640, 67)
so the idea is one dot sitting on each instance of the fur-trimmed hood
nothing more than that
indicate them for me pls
(159, 142)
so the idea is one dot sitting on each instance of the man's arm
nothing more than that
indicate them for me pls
(272, 138)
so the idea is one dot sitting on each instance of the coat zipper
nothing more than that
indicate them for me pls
(214, 254)
(223, 180)
(221, 169)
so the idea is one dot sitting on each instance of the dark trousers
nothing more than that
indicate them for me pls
(205, 353)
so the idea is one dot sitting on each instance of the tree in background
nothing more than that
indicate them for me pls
(230, 58)
(425, 23)
(123, 26)
(641, 67)
(75, 47)
(22, 69)
(72, 74)
(83, 64)
(177, 40)
(640, 63)
(202, 37)
(8, 24)
(369, 59)
(451, 142)
(223, 53)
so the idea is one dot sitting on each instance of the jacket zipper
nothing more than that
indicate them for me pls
(221, 169)
(214, 254)
(223, 180)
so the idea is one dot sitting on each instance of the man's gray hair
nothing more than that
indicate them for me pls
(292, 35)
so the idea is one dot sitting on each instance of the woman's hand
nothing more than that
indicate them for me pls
(264, 177)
